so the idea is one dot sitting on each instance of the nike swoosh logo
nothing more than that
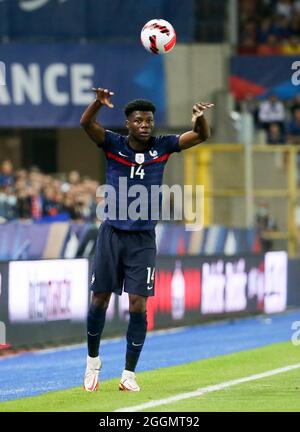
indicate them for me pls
(134, 344)
(149, 288)
(90, 334)
(120, 153)
(32, 5)
(93, 384)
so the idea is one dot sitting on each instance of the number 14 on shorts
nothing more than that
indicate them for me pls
(150, 277)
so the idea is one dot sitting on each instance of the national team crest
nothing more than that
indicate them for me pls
(140, 158)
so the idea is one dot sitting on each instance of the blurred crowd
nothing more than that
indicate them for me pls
(280, 120)
(31, 194)
(269, 27)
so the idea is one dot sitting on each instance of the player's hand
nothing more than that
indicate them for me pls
(103, 96)
(199, 108)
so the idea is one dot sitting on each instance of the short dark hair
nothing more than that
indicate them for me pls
(139, 105)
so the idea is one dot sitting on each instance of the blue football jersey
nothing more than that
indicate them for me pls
(132, 175)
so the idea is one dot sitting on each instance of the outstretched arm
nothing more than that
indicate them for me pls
(88, 118)
(201, 129)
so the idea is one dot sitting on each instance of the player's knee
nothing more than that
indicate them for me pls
(137, 304)
(101, 300)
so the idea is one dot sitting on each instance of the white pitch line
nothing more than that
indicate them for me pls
(209, 389)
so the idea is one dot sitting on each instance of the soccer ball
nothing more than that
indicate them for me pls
(158, 36)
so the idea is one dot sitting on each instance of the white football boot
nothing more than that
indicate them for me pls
(93, 368)
(128, 382)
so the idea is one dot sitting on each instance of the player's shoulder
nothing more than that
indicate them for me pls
(166, 137)
(168, 142)
(113, 136)
(112, 139)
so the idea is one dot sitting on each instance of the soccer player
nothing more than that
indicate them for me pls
(126, 249)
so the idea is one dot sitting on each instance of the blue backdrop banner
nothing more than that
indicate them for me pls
(49, 85)
(265, 75)
(105, 19)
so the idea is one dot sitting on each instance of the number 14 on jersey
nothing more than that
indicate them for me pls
(137, 171)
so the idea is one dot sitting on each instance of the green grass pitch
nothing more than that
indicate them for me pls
(275, 393)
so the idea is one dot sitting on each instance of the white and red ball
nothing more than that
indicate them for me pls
(158, 36)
